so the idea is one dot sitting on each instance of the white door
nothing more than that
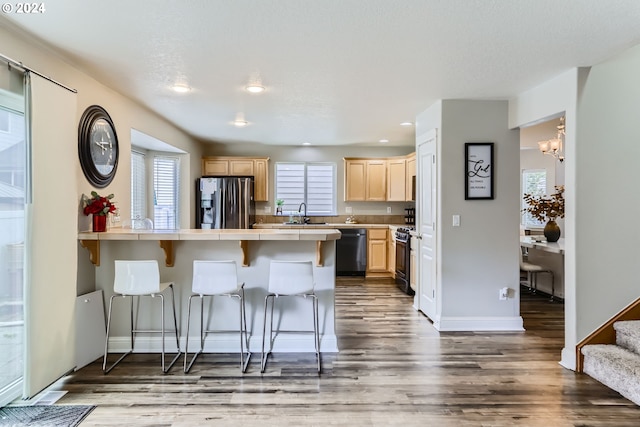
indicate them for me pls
(426, 201)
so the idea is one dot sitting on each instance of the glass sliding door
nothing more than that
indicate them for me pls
(13, 172)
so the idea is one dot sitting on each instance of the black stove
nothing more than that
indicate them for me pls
(403, 259)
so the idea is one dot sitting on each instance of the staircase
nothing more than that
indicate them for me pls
(617, 365)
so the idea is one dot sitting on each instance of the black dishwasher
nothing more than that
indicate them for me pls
(351, 252)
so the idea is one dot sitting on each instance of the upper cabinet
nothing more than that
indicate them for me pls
(365, 179)
(258, 167)
(396, 180)
(378, 179)
(410, 177)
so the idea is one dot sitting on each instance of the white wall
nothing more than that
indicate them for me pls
(479, 257)
(316, 154)
(125, 113)
(547, 100)
(607, 198)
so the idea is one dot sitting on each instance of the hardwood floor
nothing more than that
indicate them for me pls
(393, 369)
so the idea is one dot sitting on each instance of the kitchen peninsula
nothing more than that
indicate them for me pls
(252, 250)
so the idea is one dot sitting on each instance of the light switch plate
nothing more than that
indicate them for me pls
(267, 209)
(456, 220)
(348, 209)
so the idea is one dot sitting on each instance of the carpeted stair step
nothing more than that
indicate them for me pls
(628, 334)
(615, 367)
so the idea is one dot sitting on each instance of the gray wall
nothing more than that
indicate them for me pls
(278, 153)
(479, 257)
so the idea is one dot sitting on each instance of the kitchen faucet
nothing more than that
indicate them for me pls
(305, 220)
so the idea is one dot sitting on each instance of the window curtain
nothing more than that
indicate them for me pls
(52, 211)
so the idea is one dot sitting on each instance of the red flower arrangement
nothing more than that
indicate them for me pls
(98, 205)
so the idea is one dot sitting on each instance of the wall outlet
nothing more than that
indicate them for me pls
(388, 209)
(503, 293)
(267, 209)
(348, 209)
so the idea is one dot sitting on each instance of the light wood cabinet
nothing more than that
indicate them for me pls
(410, 174)
(365, 179)
(376, 183)
(215, 167)
(396, 180)
(391, 256)
(413, 260)
(379, 180)
(241, 166)
(377, 250)
(355, 172)
(261, 184)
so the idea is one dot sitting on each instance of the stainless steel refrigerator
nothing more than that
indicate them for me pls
(225, 202)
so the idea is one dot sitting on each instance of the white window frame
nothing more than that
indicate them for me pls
(166, 215)
(306, 189)
(527, 220)
(138, 184)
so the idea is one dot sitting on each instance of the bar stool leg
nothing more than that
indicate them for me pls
(244, 341)
(316, 332)
(177, 356)
(106, 370)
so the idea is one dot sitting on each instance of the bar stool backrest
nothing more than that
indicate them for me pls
(291, 277)
(136, 277)
(214, 277)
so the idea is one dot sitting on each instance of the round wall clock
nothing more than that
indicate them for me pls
(97, 146)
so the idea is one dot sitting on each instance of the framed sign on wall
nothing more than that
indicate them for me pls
(479, 170)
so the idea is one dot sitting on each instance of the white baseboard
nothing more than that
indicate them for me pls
(477, 324)
(226, 343)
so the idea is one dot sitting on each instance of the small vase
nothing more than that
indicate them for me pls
(552, 231)
(99, 223)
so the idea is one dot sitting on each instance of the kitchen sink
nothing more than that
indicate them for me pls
(308, 223)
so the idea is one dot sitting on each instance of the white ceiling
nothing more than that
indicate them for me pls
(336, 71)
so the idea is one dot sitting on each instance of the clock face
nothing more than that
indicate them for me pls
(97, 146)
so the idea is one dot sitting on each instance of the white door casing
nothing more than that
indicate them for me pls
(426, 200)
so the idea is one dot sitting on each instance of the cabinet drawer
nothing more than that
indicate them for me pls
(377, 234)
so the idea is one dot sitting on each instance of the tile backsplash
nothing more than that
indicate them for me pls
(337, 219)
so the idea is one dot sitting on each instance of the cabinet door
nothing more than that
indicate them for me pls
(377, 256)
(261, 184)
(396, 180)
(377, 250)
(354, 180)
(215, 167)
(410, 174)
(391, 263)
(376, 181)
(241, 167)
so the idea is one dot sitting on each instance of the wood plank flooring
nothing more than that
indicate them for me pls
(393, 369)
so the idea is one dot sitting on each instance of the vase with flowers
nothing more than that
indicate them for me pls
(547, 208)
(99, 207)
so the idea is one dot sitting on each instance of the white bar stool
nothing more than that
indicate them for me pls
(289, 278)
(140, 278)
(217, 278)
(532, 271)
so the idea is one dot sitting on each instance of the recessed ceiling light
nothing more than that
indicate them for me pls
(181, 88)
(384, 141)
(240, 123)
(306, 143)
(406, 124)
(254, 88)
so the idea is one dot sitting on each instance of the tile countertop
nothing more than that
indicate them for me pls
(332, 225)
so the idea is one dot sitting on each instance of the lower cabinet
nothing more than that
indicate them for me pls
(391, 256)
(413, 260)
(377, 252)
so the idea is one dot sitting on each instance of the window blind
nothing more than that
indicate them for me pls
(311, 183)
(165, 192)
(138, 186)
